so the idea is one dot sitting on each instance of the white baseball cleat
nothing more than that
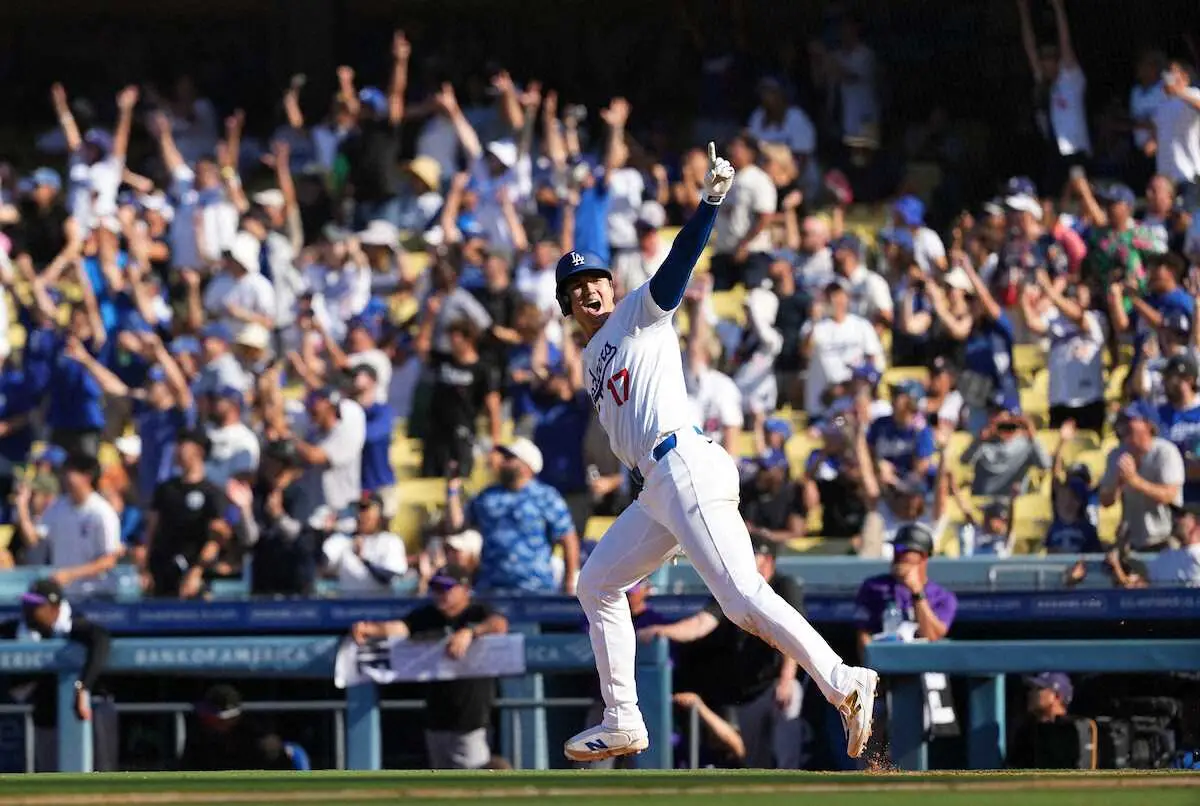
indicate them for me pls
(598, 743)
(857, 710)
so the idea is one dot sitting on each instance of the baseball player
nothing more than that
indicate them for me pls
(690, 495)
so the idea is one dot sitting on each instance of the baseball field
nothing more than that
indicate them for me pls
(685, 788)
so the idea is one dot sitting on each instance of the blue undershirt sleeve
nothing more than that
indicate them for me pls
(671, 280)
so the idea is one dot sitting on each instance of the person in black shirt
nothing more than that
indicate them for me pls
(833, 481)
(185, 527)
(45, 613)
(373, 149)
(501, 301)
(42, 231)
(770, 504)
(457, 711)
(463, 387)
(284, 556)
(221, 737)
(757, 679)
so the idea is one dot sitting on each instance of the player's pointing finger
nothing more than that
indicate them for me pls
(712, 153)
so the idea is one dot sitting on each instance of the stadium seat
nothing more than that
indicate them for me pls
(1035, 405)
(729, 304)
(6, 535)
(1110, 523)
(1113, 390)
(596, 526)
(1032, 514)
(896, 375)
(798, 449)
(1095, 460)
(1028, 359)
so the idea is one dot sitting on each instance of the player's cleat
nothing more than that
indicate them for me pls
(598, 743)
(857, 710)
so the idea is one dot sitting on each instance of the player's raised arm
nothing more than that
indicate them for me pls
(669, 282)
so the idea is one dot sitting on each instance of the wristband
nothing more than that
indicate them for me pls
(714, 200)
(918, 597)
(79, 686)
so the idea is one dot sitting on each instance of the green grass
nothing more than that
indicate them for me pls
(577, 788)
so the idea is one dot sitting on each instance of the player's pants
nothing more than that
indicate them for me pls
(690, 500)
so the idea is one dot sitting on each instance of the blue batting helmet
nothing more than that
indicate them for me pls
(570, 265)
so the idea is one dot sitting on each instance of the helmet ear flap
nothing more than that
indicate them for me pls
(564, 303)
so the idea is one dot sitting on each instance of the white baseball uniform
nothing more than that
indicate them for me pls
(690, 501)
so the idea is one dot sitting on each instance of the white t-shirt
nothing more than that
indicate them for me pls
(80, 535)
(338, 483)
(860, 109)
(837, 347)
(439, 140)
(870, 294)
(1179, 566)
(326, 142)
(489, 212)
(1076, 359)
(235, 452)
(951, 409)
(1177, 124)
(251, 291)
(384, 550)
(1068, 115)
(537, 286)
(753, 194)
(377, 360)
(928, 248)
(631, 269)
(814, 272)
(796, 131)
(625, 189)
(635, 377)
(93, 189)
(1143, 101)
(716, 402)
(210, 211)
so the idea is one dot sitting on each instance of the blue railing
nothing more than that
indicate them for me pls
(313, 658)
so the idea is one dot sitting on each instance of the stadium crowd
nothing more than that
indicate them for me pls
(322, 360)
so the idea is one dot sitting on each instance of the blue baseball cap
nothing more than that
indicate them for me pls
(866, 372)
(368, 323)
(1139, 410)
(99, 138)
(229, 393)
(896, 237)
(1020, 186)
(1078, 487)
(46, 177)
(572, 264)
(217, 330)
(1117, 193)
(848, 241)
(1176, 321)
(911, 210)
(185, 345)
(53, 455)
(374, 98)
(778, 425)
(911, 387)
(772, 460)
(999, 401)
(1058, 682)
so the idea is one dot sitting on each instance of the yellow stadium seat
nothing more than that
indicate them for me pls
(1116, 382)
(1095, 460)
(596, 526)
(1110, 522)
(729, 304)
(1028, 359)
(1032, 514)
(1035, 405)
(427, 493)
(798, 449)
(1083, 441)
(6, 535)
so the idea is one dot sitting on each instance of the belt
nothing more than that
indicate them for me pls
(660, 450)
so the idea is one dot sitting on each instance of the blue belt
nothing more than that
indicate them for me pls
(660, 450)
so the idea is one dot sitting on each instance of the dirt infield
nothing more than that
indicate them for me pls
(695, 788)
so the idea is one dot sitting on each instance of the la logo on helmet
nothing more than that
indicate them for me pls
(576, 259)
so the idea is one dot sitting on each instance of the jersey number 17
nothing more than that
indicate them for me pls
(619, 386)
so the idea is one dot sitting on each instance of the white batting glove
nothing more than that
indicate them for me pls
(719, 178)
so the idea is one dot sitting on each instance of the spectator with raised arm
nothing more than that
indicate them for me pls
(1147, 474)
(742, 244)
(1059, 87)
(1175, 126)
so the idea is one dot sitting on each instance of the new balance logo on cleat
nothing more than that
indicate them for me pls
(596, 745)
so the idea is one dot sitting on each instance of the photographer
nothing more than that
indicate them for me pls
(1004, 451)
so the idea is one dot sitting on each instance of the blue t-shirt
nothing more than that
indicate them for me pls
(16, 398)
(1182, 429)
(989, 353)
(1079, 537)
(559, 436)
(104, 297)
(41, 348)
(1174, 300)
(519, 528)
(157, 429)
(75, 395)
(376, 468)
(524, 401)
(902, 446)
(591, 221)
